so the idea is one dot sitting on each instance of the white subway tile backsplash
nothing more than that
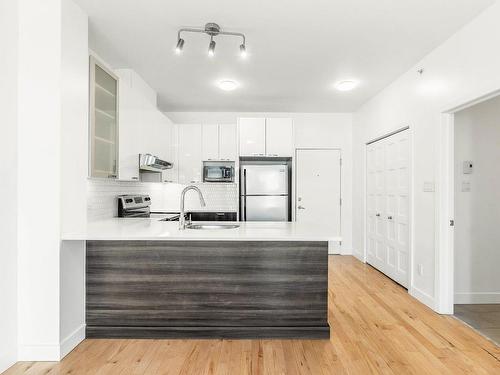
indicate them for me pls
(102, 195)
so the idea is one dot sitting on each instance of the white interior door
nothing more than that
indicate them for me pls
(388, 206)
(318, 187)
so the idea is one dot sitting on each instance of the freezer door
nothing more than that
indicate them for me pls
(265, 180)
(264, 208)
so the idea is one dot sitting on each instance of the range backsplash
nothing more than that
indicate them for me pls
(102, 203)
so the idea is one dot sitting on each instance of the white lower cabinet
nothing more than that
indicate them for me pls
(190, 154)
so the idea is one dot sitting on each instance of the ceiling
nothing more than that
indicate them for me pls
(297, 50)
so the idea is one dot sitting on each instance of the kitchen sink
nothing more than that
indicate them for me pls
(212, 226)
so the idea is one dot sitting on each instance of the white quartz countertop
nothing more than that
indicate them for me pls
(153, 229)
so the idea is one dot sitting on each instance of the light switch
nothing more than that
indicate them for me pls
(466, 186)
(467, 168)
(429, 186)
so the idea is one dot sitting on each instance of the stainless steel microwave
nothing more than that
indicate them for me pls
(218, 173)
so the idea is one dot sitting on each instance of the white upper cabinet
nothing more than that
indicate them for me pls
(130, 108)
(103, 121)
(190, 158)
(219, 142)
(279, 137)
(143, 128)
(252, 136)
(266, 137)
(228, 142)
(210, 141)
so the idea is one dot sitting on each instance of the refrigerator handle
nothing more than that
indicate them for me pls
(244, 194)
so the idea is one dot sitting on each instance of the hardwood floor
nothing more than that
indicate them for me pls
(377, 328)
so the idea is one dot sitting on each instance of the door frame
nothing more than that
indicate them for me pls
(294, 192)
(411, 210)
(445, 205)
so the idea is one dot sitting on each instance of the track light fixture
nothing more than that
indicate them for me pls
(213, 30)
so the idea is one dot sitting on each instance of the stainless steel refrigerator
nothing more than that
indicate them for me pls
(264, 193)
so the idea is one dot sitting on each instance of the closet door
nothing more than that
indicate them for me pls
(388, 206)
(397, 207)
(376, 181)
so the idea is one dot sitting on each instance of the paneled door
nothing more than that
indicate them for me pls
(388, 206)
(318, 187)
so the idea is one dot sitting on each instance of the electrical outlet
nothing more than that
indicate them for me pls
(466, 186)
(420, 270)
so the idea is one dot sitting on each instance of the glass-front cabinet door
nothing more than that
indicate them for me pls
(103, 121)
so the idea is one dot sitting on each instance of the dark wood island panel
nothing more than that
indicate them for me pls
(207, 289)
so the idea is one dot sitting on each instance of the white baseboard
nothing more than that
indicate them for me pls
(6, 361)
(334, 248)
(423, 297)
(32, 353)
(72, 340)
(52, 353)
(358, 255)
(476, 297)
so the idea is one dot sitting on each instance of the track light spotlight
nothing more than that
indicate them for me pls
(180, 46)
(243, 51)
(211, 48)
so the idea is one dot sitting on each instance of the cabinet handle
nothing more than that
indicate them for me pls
(135, 178)
(389, 217)
(377, 215)
(111, 175)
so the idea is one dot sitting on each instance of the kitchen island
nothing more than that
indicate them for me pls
(148, 279)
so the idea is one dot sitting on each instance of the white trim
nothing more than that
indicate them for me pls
(445, 205)
(46, 352)
(72, 340)
(444, 235)
(471, 101)
(423, 297)
(477, 297)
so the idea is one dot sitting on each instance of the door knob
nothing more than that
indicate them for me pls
(301, 208)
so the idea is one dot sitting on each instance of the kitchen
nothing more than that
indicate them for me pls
(193, 190)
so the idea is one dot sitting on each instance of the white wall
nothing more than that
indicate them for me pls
(39, 220)
(51, 128)
(8, 185)
(74, 171)
(463, 68)
(333, 130)
(477, 212)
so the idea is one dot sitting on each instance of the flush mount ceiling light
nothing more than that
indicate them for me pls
(228, 85)
(346, 85)
(213, 30)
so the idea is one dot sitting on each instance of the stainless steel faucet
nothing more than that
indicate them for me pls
(182, 219)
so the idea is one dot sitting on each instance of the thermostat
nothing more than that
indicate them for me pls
(467, 167)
